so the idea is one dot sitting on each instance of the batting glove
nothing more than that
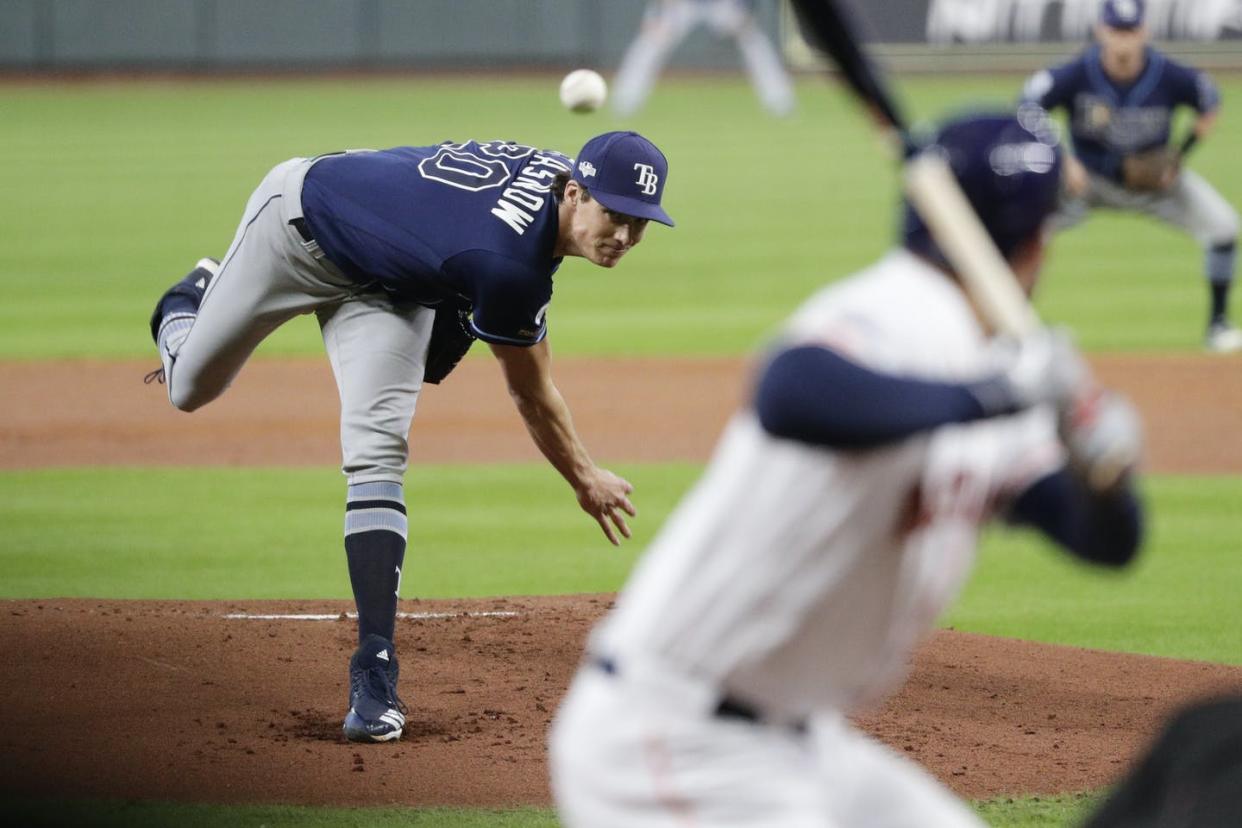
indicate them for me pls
(1104, 438)
(1043, 367)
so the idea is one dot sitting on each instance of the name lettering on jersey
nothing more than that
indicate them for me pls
(1123, 129)
(528, 193)
(647, 179)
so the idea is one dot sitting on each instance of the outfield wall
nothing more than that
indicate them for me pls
(232, 35)
(242, 34)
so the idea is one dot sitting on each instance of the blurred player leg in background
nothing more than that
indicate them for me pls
(666, 23)
(664, 26)
(767, 73)
(1193, 205)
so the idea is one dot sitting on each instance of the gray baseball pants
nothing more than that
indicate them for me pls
(1191, 203)
(377, 346)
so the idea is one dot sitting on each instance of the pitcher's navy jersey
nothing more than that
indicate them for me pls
(1109, 121)
(472, 222)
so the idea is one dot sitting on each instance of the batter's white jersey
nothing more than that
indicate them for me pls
(799, 579)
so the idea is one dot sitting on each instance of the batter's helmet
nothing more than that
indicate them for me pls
(1009, 167)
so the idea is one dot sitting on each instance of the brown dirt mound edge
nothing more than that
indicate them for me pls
(173, 701)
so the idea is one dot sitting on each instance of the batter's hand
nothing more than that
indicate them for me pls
(1042, 367)
(1103, 436)
(604, 496)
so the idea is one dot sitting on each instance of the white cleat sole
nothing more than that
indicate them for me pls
(356, 731)
(1226, 341)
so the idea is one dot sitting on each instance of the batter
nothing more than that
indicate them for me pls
(836, 520)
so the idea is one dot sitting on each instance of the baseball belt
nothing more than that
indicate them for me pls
(729, 707)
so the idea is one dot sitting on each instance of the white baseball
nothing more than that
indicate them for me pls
(583, 90)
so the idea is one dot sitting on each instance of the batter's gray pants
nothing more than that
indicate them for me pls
(1191, 203)
(377, 346)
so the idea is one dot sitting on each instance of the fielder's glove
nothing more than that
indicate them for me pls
(1151, 172)
(450, 339)
(1042, 367)
(1104, 438)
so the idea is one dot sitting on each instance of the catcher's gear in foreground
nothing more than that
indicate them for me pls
(1191, 777)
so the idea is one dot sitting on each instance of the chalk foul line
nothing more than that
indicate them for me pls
(335, 616)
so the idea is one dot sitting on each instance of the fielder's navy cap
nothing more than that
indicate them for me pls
(1122, 14)
(625, 172)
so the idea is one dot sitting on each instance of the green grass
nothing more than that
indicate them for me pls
(1001, 813)
(1036, 811)
(516, 530)
(198, 533)
(108, 191)
(1177, 601)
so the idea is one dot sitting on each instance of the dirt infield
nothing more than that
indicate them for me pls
(172, 700)
(285, 413)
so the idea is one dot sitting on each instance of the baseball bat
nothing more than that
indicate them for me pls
(928, 179)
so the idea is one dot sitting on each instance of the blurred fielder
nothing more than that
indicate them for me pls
(666, 23)
(1120, 95)
(405, 256)
(836, 520)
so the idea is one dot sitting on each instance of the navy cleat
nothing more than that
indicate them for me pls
(376, 713)
(185, 296)
(174, 315)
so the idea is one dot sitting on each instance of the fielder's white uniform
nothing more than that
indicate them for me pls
(666, 23)
(796, 580)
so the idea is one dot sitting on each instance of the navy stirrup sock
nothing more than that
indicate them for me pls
(1220, 269)
(375, 533)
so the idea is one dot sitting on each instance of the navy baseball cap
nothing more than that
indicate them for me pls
(625, 172)
(1009, 167)
(1122, 14)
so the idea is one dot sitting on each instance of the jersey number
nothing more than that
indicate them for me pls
(467, 169)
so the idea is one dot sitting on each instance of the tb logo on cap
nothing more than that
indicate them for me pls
(647, 179)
